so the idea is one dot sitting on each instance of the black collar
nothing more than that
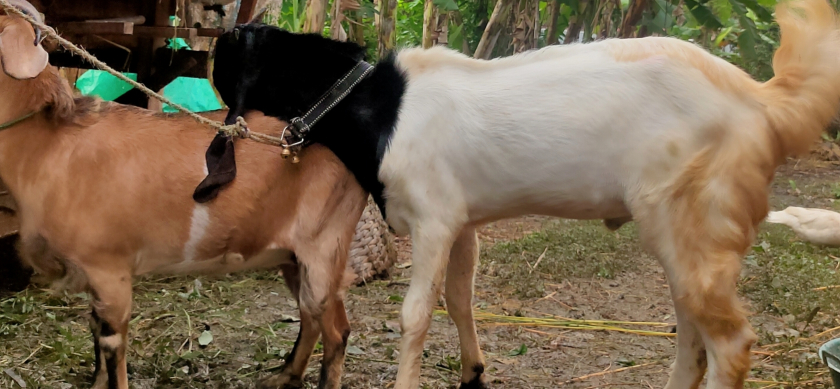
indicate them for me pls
(299, 127)
(221, 164)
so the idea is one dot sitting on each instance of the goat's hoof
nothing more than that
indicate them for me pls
(280, 381)
(476, 383)
(100, 384)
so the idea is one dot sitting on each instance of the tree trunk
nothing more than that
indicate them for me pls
(576, 23)
(551, 36)
(573, 31)
(336, 17)
(430, 16)
(491, 32)
(316, 11)
(442, 29)
(537, 25)
(523, 26)
(356, 28)
(634, 15)
(385, 26)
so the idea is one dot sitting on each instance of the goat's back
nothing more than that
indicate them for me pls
(123, 185)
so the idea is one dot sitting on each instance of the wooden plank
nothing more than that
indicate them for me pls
(246, 11)
(138, 19)
(113, 57)
(210, 32)
(116, 59)
(165, 32)
(96, 28)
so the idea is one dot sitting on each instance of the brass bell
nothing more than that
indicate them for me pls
(285, 153)
(295, 159)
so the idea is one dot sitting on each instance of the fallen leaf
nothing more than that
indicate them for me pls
(205, 338)
(15, 377)
(353, 350)
(522, 350)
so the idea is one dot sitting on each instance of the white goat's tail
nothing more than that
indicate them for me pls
(804, 95)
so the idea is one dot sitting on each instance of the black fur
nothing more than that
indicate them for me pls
(105, 329)
(94, 328)
(101, 328)
(281, 74)
(111, 365)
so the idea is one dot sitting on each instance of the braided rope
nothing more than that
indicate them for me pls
(239, 129)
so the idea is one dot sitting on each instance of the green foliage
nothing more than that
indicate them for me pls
(289, 17)
(743, 32)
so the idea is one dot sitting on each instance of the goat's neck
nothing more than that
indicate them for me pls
(24, 146)
(359, 129)
(14, 102)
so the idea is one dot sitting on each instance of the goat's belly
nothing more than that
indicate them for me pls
(222, 264)
(568, 208)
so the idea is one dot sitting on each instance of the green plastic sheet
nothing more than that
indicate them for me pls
(195, 94)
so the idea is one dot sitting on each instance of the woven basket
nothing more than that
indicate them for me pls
(372, 252)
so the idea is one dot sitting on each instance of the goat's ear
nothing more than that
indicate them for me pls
(22, 58)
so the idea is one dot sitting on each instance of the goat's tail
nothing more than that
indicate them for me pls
(804, 95)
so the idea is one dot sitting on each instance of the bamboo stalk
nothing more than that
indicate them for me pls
(429, 23)
(488, 38)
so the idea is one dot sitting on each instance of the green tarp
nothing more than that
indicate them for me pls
(195, 94)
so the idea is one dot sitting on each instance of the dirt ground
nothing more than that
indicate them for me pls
(582, 271)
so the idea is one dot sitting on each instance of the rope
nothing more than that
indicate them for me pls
(239, 129)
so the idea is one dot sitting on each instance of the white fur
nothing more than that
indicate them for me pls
(199, 223)
(567, 131)
(112, 342)
(576, 137)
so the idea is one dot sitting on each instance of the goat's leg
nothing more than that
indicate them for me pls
(291, 375)
(690, 366)
(322, 269)
(717, 314)
(111, 290)
(100, 375)
(460, 277)
(335, 329)
(703, 274)
(431, 244)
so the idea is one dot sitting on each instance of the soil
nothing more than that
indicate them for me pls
(244, 313)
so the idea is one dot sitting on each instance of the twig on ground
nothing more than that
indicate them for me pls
(395, 363)
(538, 261)
(605, 372)
(775, 383)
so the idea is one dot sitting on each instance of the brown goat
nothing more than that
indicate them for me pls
(104, 194)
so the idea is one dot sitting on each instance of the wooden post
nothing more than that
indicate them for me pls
(246, 11)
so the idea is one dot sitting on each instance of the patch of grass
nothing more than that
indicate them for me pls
(782, 273)
(572, 249)
(47, 341)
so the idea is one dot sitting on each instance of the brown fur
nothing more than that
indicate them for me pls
(104, 194)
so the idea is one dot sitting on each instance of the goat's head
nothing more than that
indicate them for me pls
(281, 74)
(21, 53)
